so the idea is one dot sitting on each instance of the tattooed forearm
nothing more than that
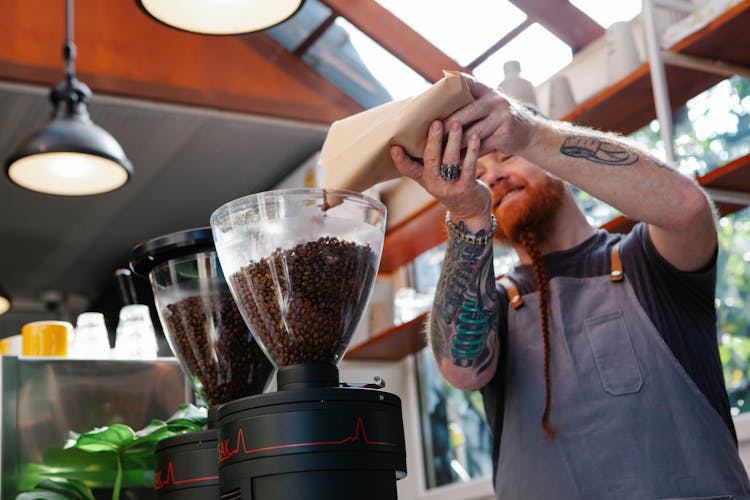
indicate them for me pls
(463, 323)
(598, 151)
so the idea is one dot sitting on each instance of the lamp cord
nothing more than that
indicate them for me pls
(69, 48)
(70, 92)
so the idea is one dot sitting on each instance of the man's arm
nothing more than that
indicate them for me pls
(464, 319)
(679, 214)
(463, 323)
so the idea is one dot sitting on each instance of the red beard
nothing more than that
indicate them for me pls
(542, 199)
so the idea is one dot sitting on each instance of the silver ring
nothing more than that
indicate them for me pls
(450, 171)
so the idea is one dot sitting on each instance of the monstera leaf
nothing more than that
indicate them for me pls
(104, 457)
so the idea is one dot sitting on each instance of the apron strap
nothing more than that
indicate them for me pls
(515, 298)
(615, 273)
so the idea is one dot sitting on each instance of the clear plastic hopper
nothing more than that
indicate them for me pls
(201, 320)
(301, 264)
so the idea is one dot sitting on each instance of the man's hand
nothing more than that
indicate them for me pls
(466, 198)
(498, 123)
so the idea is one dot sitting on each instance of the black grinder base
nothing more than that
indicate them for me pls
(186, 467)
(311, 442)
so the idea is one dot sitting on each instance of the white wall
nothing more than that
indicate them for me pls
(742, 425)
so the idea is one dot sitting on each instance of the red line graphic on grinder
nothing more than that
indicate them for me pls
(160, 483)
(225, 453)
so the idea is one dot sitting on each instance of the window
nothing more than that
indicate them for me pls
(540, 53)
(733, 315)
(454, 27)
(457, 442)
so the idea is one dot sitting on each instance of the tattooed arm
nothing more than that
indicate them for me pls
(463, 323)
(607, 166)
(464, 319)
(679, 214)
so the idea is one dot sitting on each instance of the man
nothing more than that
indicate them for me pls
(597, 356)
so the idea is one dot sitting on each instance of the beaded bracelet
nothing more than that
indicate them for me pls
(457, 232)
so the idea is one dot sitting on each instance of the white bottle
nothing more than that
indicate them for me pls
(516, 86)
(135, 336)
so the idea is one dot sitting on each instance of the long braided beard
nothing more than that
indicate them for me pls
(526, 224)
(528, 239)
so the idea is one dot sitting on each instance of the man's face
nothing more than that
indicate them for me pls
(523, 195)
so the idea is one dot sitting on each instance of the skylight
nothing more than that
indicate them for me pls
(606, 13)
(540, 53)
(463, 30)
(361, 67)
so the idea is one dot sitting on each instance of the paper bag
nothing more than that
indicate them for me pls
(355, 153)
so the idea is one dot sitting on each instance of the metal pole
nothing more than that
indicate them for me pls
(679, 5)
(714, 66)
(69, 48)
(658, 79)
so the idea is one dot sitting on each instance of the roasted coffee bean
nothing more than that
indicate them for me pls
(303, 304)
(213, 343)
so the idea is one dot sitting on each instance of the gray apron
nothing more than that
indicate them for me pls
(631, 423)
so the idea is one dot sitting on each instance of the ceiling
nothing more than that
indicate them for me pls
(203, 119)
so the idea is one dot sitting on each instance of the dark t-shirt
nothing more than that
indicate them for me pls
(680, 305)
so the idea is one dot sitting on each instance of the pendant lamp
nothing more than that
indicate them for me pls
(223, 17)
(70, 155)
(4, 301)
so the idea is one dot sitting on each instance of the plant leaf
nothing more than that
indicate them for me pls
(112, 438)
(192, 413)
(41, 495)
(57, 488)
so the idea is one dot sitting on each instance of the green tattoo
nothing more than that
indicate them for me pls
(463, 324)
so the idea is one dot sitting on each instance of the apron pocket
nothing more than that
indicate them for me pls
(613, 353)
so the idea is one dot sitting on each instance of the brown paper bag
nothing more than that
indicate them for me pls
(355, 153)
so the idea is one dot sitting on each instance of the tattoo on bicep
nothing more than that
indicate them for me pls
(598, 151)
(464, 320)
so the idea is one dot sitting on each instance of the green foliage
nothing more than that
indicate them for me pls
(712, 129)
(733, 315)
(105, 457)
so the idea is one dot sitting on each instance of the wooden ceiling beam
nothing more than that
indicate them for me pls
(564, 20)
(397, 37)
(123, 52)
(501, 43)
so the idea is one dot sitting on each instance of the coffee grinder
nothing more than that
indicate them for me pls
(206, 332)
(301, 264)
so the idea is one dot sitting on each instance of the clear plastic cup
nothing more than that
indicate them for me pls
(90, 337)
(135, 335)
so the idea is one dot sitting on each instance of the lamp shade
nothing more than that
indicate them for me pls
(224, 17)
(70, 155)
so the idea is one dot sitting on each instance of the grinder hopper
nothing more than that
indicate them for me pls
(202, 323)
(301, 264)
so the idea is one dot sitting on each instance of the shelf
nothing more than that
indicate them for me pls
(623, 107)
(413, 236)
(733, 176)
(393, 344)
(628, 105)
